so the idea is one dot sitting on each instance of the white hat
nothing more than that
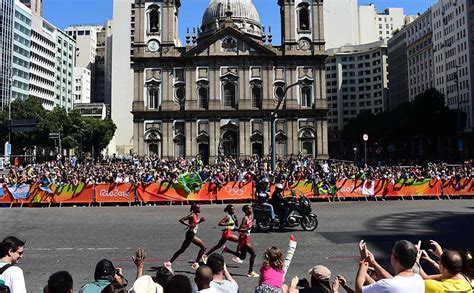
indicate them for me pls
(145, 284)
(279, 186)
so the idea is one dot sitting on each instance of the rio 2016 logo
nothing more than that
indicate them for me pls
(114, 193)
(230, 190)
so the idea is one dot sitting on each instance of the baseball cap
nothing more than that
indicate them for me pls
(321, 273)
(104, 268)
(145, 284)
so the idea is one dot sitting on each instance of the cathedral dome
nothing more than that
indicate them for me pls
(244, 15)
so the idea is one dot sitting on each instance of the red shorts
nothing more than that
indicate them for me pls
(227, 234)
(244, 239)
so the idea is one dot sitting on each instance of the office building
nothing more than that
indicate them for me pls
(397, 70)
(341, 23)
(6, 43)
(82, 85)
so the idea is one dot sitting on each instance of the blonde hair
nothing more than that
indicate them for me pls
(273, 258)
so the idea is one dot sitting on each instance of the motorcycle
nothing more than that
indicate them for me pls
(299, 213)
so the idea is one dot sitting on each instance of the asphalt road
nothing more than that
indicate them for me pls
(76, 238)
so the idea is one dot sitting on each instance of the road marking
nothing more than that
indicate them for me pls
(78, 248)
(343, 257)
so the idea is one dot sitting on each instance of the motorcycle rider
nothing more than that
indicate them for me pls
(263, 190)
(278, 203)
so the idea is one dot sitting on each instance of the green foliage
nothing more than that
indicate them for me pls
(426, 116)
(75, 130)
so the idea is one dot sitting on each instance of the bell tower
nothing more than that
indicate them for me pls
(160, 23)
(302, 26)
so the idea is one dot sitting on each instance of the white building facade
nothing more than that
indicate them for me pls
(341, 23)
(43, 62)
(452, 55)
(82, 85)
(420, 55)
(122, 77)
(356, 81)
(21, 51)
(375, 26)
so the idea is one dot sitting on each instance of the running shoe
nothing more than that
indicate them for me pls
(167, 264)
(237, 259)
(195, 266)
(224, 249)
(204, 259)
(253, 275)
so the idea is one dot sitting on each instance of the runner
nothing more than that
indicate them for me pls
(229, 222)
(192, 221)
(245, 246)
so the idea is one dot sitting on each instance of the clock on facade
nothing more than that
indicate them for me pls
(304, 44)
(153, 46)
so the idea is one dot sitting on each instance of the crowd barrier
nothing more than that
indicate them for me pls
(235, 191)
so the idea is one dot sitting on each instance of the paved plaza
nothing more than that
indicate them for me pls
(75, 238)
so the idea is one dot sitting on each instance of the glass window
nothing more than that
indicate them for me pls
(229, 95)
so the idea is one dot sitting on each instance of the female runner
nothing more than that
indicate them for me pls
(245, 246)
(229, 222)
(192, 221)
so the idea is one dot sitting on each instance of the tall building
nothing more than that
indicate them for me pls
(397, 70)
(6, 45)
(356, 81)
(374, 26)
(21, 52)
(43, 62)
(52, 60)
(65, 59)
(103, 65)
(214, 96)
(122, 77)
(341, 14)
(470, 17)
(419, 43)
(452, 54)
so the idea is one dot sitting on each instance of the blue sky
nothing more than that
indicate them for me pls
(68, 12)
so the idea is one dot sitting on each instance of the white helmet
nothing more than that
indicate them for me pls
(265, 180)
(279, 186)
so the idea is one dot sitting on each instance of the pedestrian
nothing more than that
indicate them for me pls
(203, 280)
(105, 273)
(60, 282)
(191, 221)
(222, 280)
(11, 251)
(245, 245)
(229, 222)
(271, 272)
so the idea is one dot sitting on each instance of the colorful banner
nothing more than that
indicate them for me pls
(463, 187)
(67, 193)
(115, 193)
(235, 191)
(239, 191)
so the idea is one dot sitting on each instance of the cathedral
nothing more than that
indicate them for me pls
(215, 96)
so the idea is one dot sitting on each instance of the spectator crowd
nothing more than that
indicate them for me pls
(453, 271)
(145, 170)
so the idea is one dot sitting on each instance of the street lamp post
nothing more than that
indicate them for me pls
(273, 121)
(355, 156)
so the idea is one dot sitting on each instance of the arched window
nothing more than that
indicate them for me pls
(180, 96)
(303, 18)
(153, 98)
(154, 19)
(257, 96)
(203, 97)
(229, 95)
(306, 100)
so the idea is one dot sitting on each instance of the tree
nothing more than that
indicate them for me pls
(75, 130)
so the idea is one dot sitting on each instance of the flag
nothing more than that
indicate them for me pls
(290, 252)
(368, 187)
(326, 188)
(19, 191)
(191, 182)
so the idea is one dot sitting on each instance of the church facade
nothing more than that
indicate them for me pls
(214, 95)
